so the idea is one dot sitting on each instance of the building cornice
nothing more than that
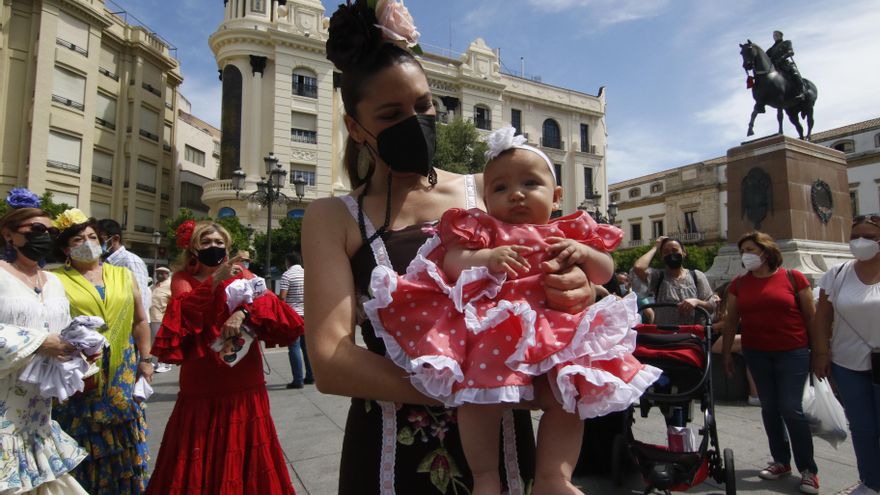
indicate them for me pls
(94, 15)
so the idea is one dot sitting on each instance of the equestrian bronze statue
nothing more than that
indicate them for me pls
(776, 81)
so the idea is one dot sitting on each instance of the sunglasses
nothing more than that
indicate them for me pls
(38, 228)
(873, 219)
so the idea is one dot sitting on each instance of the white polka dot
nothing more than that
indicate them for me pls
(412, 344)
(390, 310)
(403, 318)
(461, 342)
(508, 338)
(452, 331)
(397, 333)
(568, 318)
(481, 345)
(418, 327)
(496, 352)
(428, 339)
(624, 367)
(409, 296)
(482, 366)
(528, 293)
(412, 305)
(499, 378)
(434, 304)
(471, 383)
(424, 313)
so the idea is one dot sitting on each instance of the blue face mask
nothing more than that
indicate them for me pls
(246, 264)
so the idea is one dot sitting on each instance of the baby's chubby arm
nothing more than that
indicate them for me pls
(567, 252)
(502, 259)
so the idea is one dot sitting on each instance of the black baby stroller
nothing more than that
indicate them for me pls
(683, 352)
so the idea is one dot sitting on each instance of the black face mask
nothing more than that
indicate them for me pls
(37, 246)
(673, 260)
(212, 256)
(409, 145)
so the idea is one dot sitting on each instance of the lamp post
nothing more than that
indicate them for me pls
(299, 185)
(608, 217)
(268, 192)
(157, 241)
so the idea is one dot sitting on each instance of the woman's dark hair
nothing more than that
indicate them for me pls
(668, 240)
(357, 49)
(15, 218)
(65, 235)
(768, 247)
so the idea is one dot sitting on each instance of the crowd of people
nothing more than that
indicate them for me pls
(475, 307)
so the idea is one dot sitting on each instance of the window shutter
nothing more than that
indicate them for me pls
(106, 109)
(102, 164)
(68, 85)
(73, 30)
(146, 175)
(64, 149)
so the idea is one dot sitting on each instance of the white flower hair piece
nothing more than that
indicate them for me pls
(396, 23)
(503, 139)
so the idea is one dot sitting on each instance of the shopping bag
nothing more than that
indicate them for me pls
(824, 412)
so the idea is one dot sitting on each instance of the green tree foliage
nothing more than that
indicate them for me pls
(285, 240)
(47, 204)
(459, 147)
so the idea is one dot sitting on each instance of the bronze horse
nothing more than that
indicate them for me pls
(774, 88)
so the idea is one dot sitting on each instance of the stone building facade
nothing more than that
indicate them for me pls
(280, 95)
(87, 111)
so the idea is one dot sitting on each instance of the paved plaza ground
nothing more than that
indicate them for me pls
(310, 427)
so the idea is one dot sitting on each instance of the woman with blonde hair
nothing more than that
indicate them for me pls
(774, 308)
(220, 437)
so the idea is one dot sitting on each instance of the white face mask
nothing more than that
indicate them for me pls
(86, 252)
(864, 249)
(751, 261)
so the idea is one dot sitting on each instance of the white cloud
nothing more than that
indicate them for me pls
(605, 12)
(205, 94)
(636, 150)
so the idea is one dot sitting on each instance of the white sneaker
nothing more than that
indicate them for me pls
(161, 368)
(863, 489)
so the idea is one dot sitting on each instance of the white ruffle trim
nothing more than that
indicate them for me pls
(423, 264)
(614, 394)
(604, 332)
(494, 395)
(503, 310)
(435, 375)
(476, 274)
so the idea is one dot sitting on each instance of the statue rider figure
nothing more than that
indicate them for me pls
(781, 54)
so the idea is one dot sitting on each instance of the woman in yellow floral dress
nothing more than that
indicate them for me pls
(105, 419)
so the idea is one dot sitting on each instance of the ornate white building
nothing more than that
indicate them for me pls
(280, 96)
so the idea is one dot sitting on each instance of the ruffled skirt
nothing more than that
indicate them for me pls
(38, 462)
(222, 445)
(484, 338)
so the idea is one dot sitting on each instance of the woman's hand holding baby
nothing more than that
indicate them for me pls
(510, 260)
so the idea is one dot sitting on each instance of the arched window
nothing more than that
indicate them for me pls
(846, 146)
(551, 136)
(226, 212)
(482, 117)
(305, 83)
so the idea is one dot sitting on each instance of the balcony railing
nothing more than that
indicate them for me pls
(482, 123)
(151, 89)
(145, 188)
(67, 44)
(63, 166)
(305, 89)
(149, 135)
(144, 229)
(303, 136)
(108, 73)
(636, 243)
(103, 123)
(67, 101)
(687, 237)
(553, 143)
(102, 180)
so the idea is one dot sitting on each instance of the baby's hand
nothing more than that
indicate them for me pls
(563, 253)
(510, 260)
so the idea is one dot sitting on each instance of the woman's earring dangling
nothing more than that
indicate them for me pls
(67, 263)
(432, 177)
(364, 161)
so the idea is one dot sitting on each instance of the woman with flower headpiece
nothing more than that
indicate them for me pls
(220, 438)
(105, 419)
(396, 438)
(35, 455)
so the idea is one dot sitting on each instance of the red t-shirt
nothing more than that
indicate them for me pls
(769, 316)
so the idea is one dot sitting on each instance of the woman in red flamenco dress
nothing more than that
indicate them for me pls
(220, 439)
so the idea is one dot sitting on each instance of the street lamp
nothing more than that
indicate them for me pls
(268, 192)
(299, 185)
(612, 212)
(157, 241)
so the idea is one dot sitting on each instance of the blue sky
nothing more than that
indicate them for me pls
(671, 68)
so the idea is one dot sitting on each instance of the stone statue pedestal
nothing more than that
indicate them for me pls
(794, 190)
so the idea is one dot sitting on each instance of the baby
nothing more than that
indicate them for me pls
(469, 322)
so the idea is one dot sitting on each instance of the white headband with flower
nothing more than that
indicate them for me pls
(504, 139)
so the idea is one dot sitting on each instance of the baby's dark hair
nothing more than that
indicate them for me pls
(357, 49)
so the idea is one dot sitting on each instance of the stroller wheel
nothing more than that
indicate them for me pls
(618, 457)
(729, 473)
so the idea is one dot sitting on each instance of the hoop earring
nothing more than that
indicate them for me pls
(364, 163)
(67, 264)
